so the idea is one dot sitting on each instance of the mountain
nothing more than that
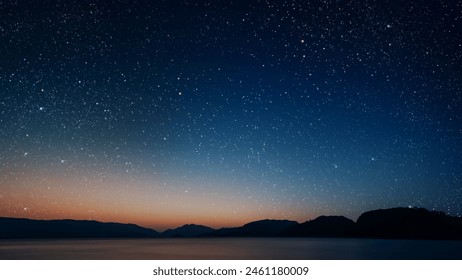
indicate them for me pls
(26, 228)
(394, 223)
(409, 223)
(263, 228)
(190, 230)
(323, 226)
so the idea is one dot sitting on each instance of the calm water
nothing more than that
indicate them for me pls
(231, 248)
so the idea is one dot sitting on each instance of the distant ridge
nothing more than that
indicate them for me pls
(409, 223)
(394, 223)
(323, 226)
(190, 230)
(262, 228)
(26, 228)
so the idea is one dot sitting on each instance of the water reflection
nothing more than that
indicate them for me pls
(231, 249)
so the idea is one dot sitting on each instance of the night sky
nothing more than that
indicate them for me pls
(163, 113)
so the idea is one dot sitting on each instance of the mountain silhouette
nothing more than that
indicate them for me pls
(263, 228)
(323, 226)
(394, 223)
(190, 230)
(409, 223)
(26, 228)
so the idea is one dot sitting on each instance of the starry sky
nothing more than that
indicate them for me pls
(220, 112)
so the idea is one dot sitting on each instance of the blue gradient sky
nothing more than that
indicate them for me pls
(169, 112)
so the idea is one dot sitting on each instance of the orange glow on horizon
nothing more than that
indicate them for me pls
(45, 196)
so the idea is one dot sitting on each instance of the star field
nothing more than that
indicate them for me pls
(221, 112)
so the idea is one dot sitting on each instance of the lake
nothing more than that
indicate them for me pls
(230, 249)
